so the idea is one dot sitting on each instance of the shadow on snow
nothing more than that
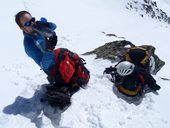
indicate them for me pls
(131, 100)
(33, 109)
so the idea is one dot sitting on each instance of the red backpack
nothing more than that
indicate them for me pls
(69, 68)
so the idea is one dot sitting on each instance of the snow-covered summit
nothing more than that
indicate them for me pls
(149, 8)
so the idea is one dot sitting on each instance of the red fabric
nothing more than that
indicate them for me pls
(83, 74)
(68, 66)
(56, 52)
(141, 78)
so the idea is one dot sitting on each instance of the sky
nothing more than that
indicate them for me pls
(79, 28)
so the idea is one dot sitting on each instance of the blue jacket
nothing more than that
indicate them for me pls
(35, 48)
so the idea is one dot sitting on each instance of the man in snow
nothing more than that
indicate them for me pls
(37, 46)
(61, 65)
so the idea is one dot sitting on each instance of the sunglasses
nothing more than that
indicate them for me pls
(28, 23)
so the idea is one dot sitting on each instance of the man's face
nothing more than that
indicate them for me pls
(24, 20)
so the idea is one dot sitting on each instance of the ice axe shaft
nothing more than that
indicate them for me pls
(163, 78)
(46, 32)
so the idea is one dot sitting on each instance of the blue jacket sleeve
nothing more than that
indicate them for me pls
(48, 60)
(44, 59)
(32, 50)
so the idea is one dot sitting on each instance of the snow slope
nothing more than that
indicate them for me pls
(164, 4)
(80, 26)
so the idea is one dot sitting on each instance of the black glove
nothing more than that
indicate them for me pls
(41, 24)
(51, 42)
(109, 70)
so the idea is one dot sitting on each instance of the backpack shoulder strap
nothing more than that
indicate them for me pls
(61, 55)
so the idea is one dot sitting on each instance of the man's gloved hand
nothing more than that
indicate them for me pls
(109, 70)
(42, 23)
(51, 43)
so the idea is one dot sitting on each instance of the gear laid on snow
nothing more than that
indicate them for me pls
(60, 95)
(132, 74)
(125, 68)
(66, 76)
(57, 97)
(69, 69)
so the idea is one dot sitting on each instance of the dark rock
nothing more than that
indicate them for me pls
(111, 50)
(150, 8)
(169, 20)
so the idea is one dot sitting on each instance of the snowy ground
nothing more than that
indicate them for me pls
(165, 5)
(80, 26)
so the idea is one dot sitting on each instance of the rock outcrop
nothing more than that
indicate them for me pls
(148, 7)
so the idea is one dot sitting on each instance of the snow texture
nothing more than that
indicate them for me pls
(80, 26)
